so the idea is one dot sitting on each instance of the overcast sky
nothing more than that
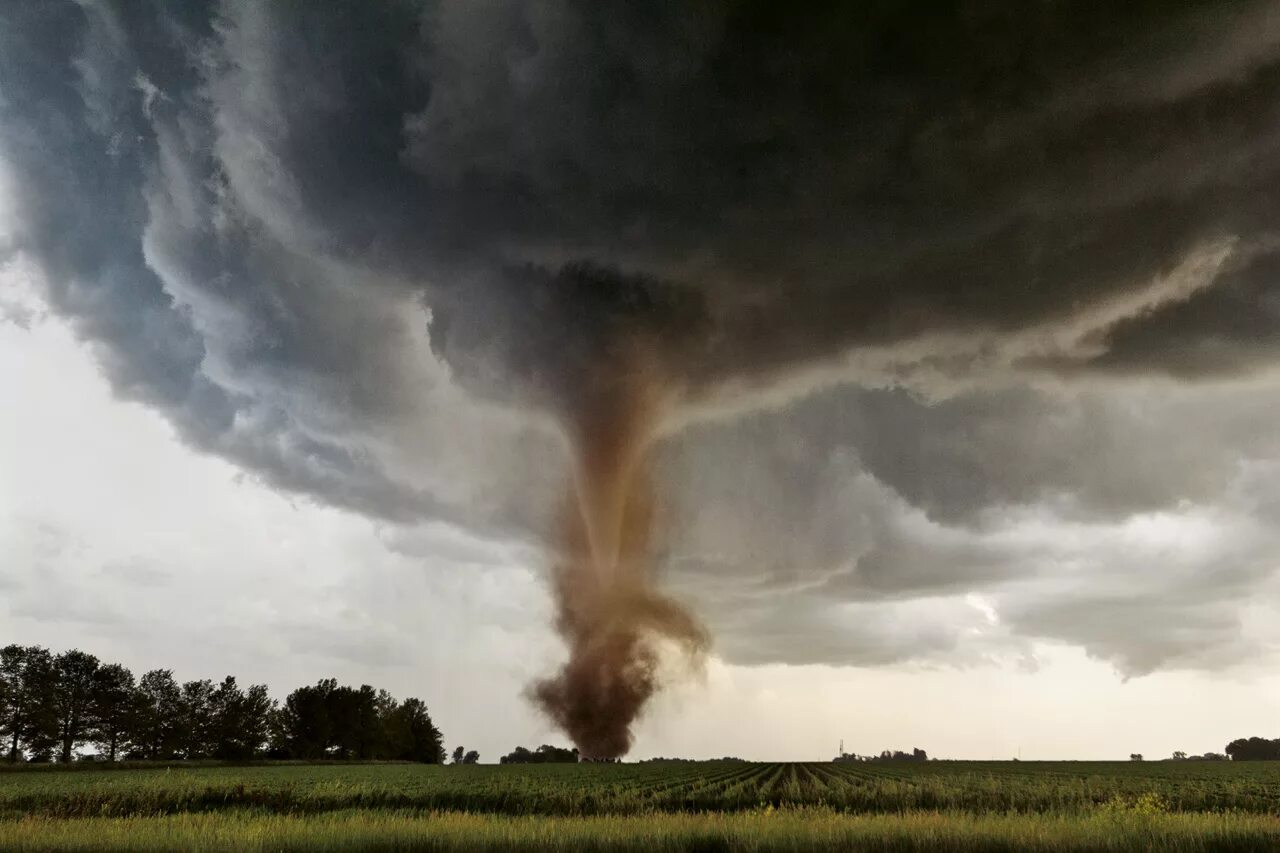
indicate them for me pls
(970, 324)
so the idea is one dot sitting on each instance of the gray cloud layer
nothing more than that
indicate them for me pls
(957, 295)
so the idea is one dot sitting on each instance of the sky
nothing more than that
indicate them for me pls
(965, 324)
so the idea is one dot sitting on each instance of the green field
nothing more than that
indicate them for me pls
(729, 806)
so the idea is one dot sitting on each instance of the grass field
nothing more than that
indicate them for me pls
(731, 806)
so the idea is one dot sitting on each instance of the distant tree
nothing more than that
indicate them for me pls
(459, 753)
(198, 735)
(113, 710)
(1254, 749)
(898, 755)
(11, 698)
(255, 719)
(1179, 755)
(27, 721)
(157, 730)
(50, 706)
(224, 724)
(357, 727)
(370, 736)
(472, 757)
(73, 680)
(412, 736)
(341, 722)
(545, 754)
(304, 724)
(519, 755)
(239, 720)
(1135, 756)
(727, 758)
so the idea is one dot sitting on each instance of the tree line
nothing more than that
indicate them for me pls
(916, 754)
(1254, 749)
(545, 754)
(57, 706)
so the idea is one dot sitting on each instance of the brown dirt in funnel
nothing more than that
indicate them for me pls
(608, 610)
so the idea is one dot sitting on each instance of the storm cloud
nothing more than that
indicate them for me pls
(952, 300)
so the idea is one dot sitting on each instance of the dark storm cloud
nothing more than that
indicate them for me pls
(1154, 503)
(302, 231)
(1229, 329)
(1098, 452)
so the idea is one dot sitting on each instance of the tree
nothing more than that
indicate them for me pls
(412, 736)
(26, 719)
(51, 705)
(1179, 755)
(158, 721)
(471, 757)
(197, 733)
(75, 673)
(239, 720)
(113, 709)
(255, 719)
(916, 754)
(304, 725)
(1135, 756)
(357, 726)
(10, 691)
(458, 754)
(545, 754)
(1254, 749)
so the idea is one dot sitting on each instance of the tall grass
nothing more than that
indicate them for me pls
(758, 830)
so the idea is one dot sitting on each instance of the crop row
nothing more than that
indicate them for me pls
(578, 790)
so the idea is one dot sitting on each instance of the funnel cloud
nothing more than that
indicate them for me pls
(608, 609)
(831, 318)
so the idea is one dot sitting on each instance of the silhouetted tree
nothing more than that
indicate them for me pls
(197, 719)
(1135, 756)
(472, 757)
(304, 725)
(897, 755)
(545, 754)
(357, 726)
(412, 736)
(52, 705)
(459, 753)
(158, 716)
(113, 709)
(11, 659)
(1254, 749)
(255, 719)
(74, 677)
(27, 721)
(239, 720)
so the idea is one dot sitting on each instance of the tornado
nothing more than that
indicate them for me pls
(609, 612)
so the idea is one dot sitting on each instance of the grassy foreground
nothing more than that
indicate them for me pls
(760, 830)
